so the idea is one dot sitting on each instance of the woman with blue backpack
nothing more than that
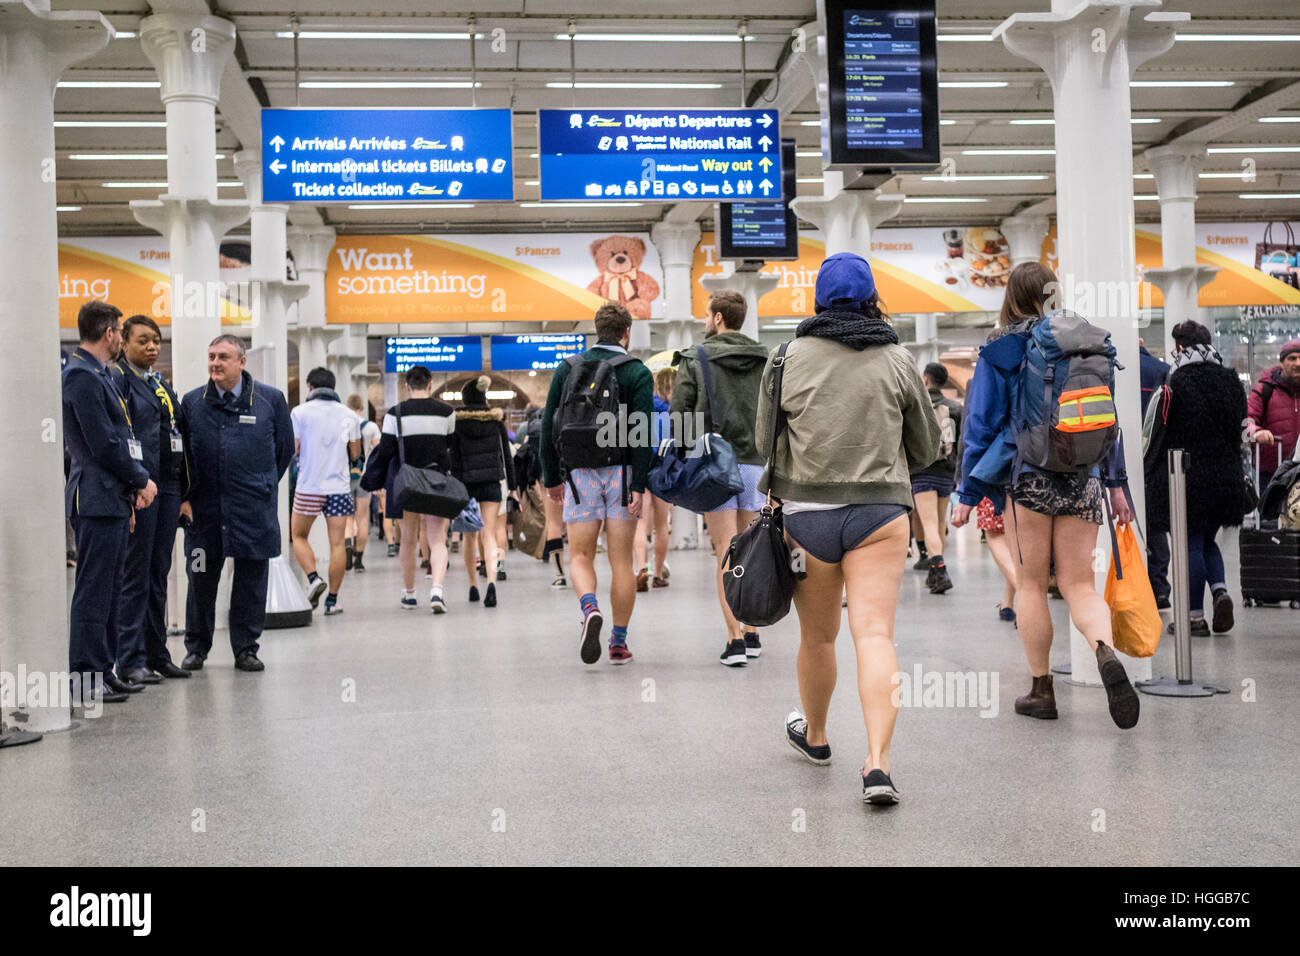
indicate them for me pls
(1041, 433)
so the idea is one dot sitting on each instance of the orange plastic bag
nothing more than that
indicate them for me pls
(1134, 617)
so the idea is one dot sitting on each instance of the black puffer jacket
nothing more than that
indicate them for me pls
(481, 447)
(1206, 411)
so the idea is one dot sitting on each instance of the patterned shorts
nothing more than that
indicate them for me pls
(600, 494)
(1059, 495)
(751, 499)
(331, 506)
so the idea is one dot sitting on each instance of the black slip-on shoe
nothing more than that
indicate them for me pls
(796, 732)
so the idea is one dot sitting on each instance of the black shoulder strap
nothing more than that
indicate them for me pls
(401, 443)
(1265, 393)
(707, 376)
(777, 419)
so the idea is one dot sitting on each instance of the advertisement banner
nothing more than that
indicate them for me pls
(1255, 267)
(490, 278)
(131, 272)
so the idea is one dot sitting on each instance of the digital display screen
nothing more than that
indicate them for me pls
(513, 353)
(437, 353)
(762, 230)
(883, 83)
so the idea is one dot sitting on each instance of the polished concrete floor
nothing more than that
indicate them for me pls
(480, 738)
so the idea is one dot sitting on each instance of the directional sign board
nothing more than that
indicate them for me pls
(534, 352)
(437, 353)
(719, 155)
(363, 155)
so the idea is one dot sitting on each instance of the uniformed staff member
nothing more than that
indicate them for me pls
(142, 655)
(106, 480)
(238, 441)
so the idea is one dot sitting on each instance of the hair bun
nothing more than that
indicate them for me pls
(483, 381)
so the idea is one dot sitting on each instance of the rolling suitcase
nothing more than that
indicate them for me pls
(1270, 558)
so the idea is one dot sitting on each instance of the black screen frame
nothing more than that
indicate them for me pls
(840, 155)
(787, 253)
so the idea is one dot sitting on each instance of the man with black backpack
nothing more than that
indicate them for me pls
(596, 441)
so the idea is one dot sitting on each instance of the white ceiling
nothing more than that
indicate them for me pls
(517, 78)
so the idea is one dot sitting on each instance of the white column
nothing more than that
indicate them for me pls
(1025, 235)
(927, 338)
(1179, 277)
(752, 285)
(676, 243)
(189, 53)
(37, 46)
(1089, 52)
(347, 357)
(847, 217)
(311, 249)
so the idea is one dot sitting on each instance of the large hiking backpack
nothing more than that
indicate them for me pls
(1063, 418)
(588, 405)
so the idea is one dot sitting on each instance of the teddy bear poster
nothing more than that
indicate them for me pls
(621, 277)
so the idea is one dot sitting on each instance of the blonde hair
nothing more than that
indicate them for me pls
(665, 379)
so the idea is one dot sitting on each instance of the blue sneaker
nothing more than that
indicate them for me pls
(1006, 614)
(409, 603)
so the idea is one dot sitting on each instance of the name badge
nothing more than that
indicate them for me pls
(178, 444)
(248, 419)
(133, 447)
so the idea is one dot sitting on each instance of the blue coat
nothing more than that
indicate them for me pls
(102, 474)
(236, 453)
(988, 442)
(153, 420)
(1153, 373)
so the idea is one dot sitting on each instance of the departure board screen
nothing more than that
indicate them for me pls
(883, 84)
(762, 230)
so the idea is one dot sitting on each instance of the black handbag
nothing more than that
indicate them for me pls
(758, 580)
(426, 491)
(706, 478)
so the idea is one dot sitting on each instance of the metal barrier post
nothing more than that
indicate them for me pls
(1181, 684)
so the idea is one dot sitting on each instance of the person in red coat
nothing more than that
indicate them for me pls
(1273, 411)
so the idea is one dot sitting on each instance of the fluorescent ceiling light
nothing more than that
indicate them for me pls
(124, 35)
(972, 84)
(1279, 119)
(532, 155)
(1177, 84)
(944, 122)
(412, 205)
(1008, 152)
(1236, 175)
(155, 184)
(1136, 120)
(943, 199)
(574, 205)
(111, 124)
(991, 177)
(387, 84)
(809, 152)
(97, 157)
(371, 35)
(1238, 37)
(655, 37)
(810, 122)
(67, 209)
(810, 179)
(1253, 149)
(1150, 198)
(602, 85)
(532, 182)
(110, 84)
(965, 38)
(1268, 195)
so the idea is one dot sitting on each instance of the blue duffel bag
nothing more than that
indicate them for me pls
(702, 478)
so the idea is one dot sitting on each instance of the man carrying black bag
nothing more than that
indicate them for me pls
(735, 371)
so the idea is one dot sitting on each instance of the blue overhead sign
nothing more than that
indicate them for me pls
(512, 353)
(721, 155)
(437, 353)
(364, 155)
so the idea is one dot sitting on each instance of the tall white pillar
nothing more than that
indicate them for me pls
(189, 53)
(1179, 277)
(348, 358)
(1089, 52)
(311, 248)
(676, 243)
(927, 338)
(752, 285)
(37, 46)
(847, 217)
(1025, 235)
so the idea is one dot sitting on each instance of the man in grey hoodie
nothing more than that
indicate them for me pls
(736, 364)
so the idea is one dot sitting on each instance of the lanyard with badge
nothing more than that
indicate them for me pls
(160, 391)
(132, 444)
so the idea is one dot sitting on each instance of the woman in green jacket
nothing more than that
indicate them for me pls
(846, 494)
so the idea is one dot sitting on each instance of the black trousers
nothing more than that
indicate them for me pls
(204, 559)
(92, 630)
(1158, 564)
(142, 618)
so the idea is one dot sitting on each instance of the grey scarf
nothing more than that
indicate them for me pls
(1196, 353)
(854, 329)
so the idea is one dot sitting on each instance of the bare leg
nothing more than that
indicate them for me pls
(817, 602)
(488, 537)
(582, 556)
(639, 542)
(337, 528)
(469, 553)
(1073, 543)
(872, 574)
(662, 510)
(299, 528)
(410, 532)
(723, 526)
(1000, 548)
(622, 585)
(1031, 541)
(362, 524)
(436, 529)
(927, 508)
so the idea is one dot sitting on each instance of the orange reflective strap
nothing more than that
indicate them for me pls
(1075, 419)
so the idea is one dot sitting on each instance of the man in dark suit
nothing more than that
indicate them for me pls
(238, 441)
(106, 481)
(142, 656)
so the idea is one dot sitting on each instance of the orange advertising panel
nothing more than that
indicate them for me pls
(486, 278)
(132, 274)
